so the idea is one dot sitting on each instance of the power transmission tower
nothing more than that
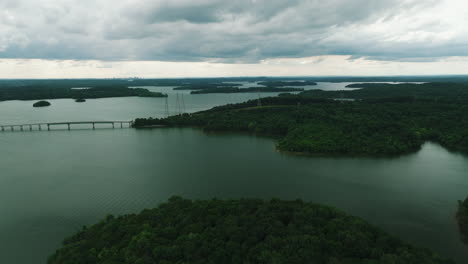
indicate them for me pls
(178, 105)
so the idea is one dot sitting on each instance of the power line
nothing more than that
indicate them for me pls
(183, 104)
(166, 107)
(177, 103)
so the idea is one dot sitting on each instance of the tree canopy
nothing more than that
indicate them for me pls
(382, 120)
(238, 231)
(41, 104)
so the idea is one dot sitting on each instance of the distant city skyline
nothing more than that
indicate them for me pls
(216, 38)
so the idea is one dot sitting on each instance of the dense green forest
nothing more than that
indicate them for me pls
(462, 218)
(35, 92)
(386, 123)
(238, 231)
(247, 90)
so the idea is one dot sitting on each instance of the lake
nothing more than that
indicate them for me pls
(54, 182)
(128, 108)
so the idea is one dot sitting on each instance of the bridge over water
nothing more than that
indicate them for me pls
(41, 126)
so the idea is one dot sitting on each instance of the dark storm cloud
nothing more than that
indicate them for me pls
(229, 31)
(193, 12)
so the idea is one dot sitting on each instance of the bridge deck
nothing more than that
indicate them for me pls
(49, 124)
(88, 122)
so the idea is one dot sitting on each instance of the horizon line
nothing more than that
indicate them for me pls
(246, 77)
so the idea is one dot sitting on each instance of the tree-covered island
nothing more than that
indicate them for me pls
(237, 232)
(383, 119)
(41, 104)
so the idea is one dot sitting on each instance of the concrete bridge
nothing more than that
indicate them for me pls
(40, 126)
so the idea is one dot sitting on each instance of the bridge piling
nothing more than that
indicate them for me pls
(21, 128)
(48, 127)
(3, 128)
(68, 126)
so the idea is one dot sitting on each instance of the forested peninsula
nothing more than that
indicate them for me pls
(383, 119)
(238, 231)
(38, 92)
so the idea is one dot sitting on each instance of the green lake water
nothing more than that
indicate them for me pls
(54, 182)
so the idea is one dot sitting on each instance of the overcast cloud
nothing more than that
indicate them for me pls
(246, 31)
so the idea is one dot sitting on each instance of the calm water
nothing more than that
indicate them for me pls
(128, 108)
(52, 183)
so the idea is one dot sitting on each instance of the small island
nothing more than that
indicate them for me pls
(462, 218)
(80, 100)
(238, 231)
(41, 104)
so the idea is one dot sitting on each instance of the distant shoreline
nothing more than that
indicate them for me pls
(33, 92)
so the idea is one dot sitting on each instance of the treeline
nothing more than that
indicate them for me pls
(462, 218)
(271, 86)
(204, 86)
(238, 231)
(316, 125)
(440, 78)
(69, 83)
(287, 83)
(443, 92)
(247, 90)
(34, 92)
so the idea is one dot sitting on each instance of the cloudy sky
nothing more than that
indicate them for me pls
(202, 38)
